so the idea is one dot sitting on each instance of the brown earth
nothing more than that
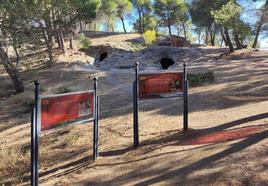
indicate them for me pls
(235, 105)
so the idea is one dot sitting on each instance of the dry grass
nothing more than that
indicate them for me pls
(14, 164)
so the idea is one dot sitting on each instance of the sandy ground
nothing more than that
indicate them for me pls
(237, 102)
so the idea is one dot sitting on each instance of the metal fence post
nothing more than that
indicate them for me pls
(185, 98)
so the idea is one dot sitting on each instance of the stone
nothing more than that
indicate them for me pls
(175, 41)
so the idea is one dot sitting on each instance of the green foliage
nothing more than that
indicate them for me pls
(144, 5)
(149, 37)
(244, 31)
(87, 9)
(166, 11)
(84, 41)
(201, 78)
(72, 139)
(191, 37)
(150, 23)
(251, 41)
(123, 7)
(108, 11)
(63, 89)
(144, 9)
(200, 11)
(30, 103)
(228, 15)
(182, 18)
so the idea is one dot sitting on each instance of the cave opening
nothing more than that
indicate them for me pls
(166, 62)
(103, 55)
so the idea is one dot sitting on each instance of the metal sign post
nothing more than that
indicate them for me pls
(136, 106)
(158, 85)
(96, 122)
(185, 98)
(34, 138)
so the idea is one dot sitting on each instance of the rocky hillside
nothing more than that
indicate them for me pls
(123, 50)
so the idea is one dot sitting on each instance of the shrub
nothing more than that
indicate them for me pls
(63, 89)
(200, 78)
(149, 37)
(84, 41)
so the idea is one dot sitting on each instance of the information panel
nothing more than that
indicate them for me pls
(64, 109)
(155, 85)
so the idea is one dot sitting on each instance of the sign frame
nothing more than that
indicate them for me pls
(136, 99)
(36, 128)
(69, 122)
(160, 95)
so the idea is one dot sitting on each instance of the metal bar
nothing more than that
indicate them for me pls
(163, 96)
(185, 98)
(136, 109)
(35, 143)
(68, 124)
(134, 113)
(95, 120)
(97, 127)
(187, 108)
(32, 149)
(64, 94)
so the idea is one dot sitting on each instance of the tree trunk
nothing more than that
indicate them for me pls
(11, 70)
(199, 37)
(212, 38)
(62, 41)
(109, 24)
(206, 37)
(169, 29)
(49, 43)
(260, 24)
(95, 27)
(71, 40)
(17, 55)
(254, 45)
(223, 37)
(58, 39)
(237, 41)
(178, 30)
(140, 28)
(221, 43)
(228, 39)
(123, 24)
(184, 30)
(81, 25)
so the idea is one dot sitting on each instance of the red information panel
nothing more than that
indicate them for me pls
(65, 109)
(154, 85)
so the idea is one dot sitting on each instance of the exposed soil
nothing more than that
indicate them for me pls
(226, 144)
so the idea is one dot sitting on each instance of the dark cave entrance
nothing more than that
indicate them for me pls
(166, 62)
(103, 56)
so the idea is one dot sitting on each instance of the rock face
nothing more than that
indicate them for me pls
(154, 57)
(174, 41)
(169, 53)
(101, 52)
